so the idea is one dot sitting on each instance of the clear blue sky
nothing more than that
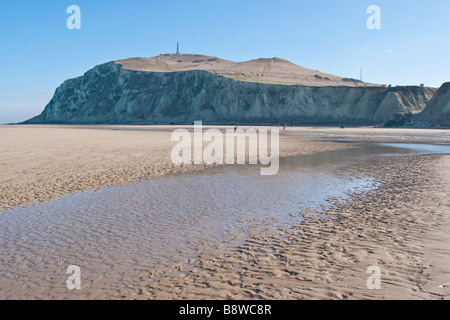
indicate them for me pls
(38, 52)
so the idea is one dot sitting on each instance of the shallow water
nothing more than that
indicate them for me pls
(421, 148)
(115, 234)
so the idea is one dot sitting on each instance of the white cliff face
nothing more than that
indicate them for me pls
(437, 110)
(108, 94)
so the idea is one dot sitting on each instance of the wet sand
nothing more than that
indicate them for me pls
(402, 227)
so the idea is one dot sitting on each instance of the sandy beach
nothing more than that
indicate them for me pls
(401, 226)
(39, 163)
(44, 162)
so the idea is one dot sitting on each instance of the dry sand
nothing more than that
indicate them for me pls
(402, 227)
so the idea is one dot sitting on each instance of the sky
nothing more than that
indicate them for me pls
(38, 51)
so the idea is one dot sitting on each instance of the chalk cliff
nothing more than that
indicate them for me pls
(113, 94)
(437, 110)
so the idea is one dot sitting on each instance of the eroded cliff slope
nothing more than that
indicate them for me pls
(110, 94)
(437, 110)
